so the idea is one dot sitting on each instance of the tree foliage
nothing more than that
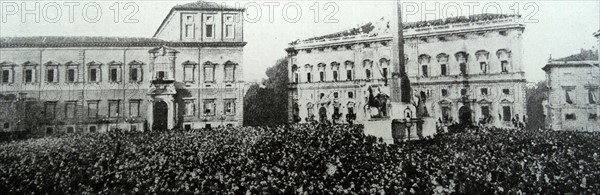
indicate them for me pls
(266, 103)
(535, 110)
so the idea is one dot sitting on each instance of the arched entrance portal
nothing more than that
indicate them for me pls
(464, 115)
(160, 115)
(322, 114)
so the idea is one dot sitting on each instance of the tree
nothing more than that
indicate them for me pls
(535, 96)
(266, 103)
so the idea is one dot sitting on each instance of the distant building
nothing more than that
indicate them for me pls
(462, 69)
(573, 92)
(188, 75)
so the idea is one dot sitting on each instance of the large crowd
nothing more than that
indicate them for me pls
(303, 159)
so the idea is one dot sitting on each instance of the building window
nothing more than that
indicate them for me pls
(209, 72)
(385, 73)
(349, 75)
(506, 91)
(94, 75)
(592, 99)
(70, 129)
(70, 110)
(133, 75)
(485, 112)
(444, 70)
(6, 126)
(593, 116)
(189, 31)
(229, 71)
(484, 67)
(134, 108)
(444, 92)
(463, 92)
(569, 96)
(190, 108)
(135, 71)
(463, 68)
(71, 75)
(29, 76)
(92, 128)
(335, 75)
(92, 109)
(350, 95)
(446, 114)
(133, 127)
(209, 30)
(335, 95)
(570, 116)
(51, 76)
(229, 32)
(484, 91)
(114, 75)
(49, 130)
(321, 76)
(424, 70)
(188, 74)
(50, 110)
(308, 79)
(229, 107)
(368, 73)
(321, 95)
(187, 127)
(6, 76)
(296, 77)
(504, 65)
(113, 108)
(506, 113)
(209, 107)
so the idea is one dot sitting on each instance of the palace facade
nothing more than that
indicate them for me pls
(573, 89)
(462, 70)
(188, 75)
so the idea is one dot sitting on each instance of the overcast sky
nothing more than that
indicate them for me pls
(559, 28)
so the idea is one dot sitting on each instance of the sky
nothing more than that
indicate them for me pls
(557, 28)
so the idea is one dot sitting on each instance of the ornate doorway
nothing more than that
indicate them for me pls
(464, 115)
(160, 113)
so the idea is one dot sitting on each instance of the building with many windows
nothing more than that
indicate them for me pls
(573, 90)
(461, 69)
(189, 75)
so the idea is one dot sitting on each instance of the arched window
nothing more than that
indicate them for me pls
(442, 59)
(295, 75)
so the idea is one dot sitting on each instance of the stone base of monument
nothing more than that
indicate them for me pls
(383, 128)
(379, 127)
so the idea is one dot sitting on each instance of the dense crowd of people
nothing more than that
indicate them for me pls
(303, 159)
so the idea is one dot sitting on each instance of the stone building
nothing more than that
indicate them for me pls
(573, 92)
(461, 69)
(188, 75)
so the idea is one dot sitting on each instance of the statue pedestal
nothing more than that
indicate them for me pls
(380, 128)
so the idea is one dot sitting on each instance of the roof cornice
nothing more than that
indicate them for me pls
(123, 44)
